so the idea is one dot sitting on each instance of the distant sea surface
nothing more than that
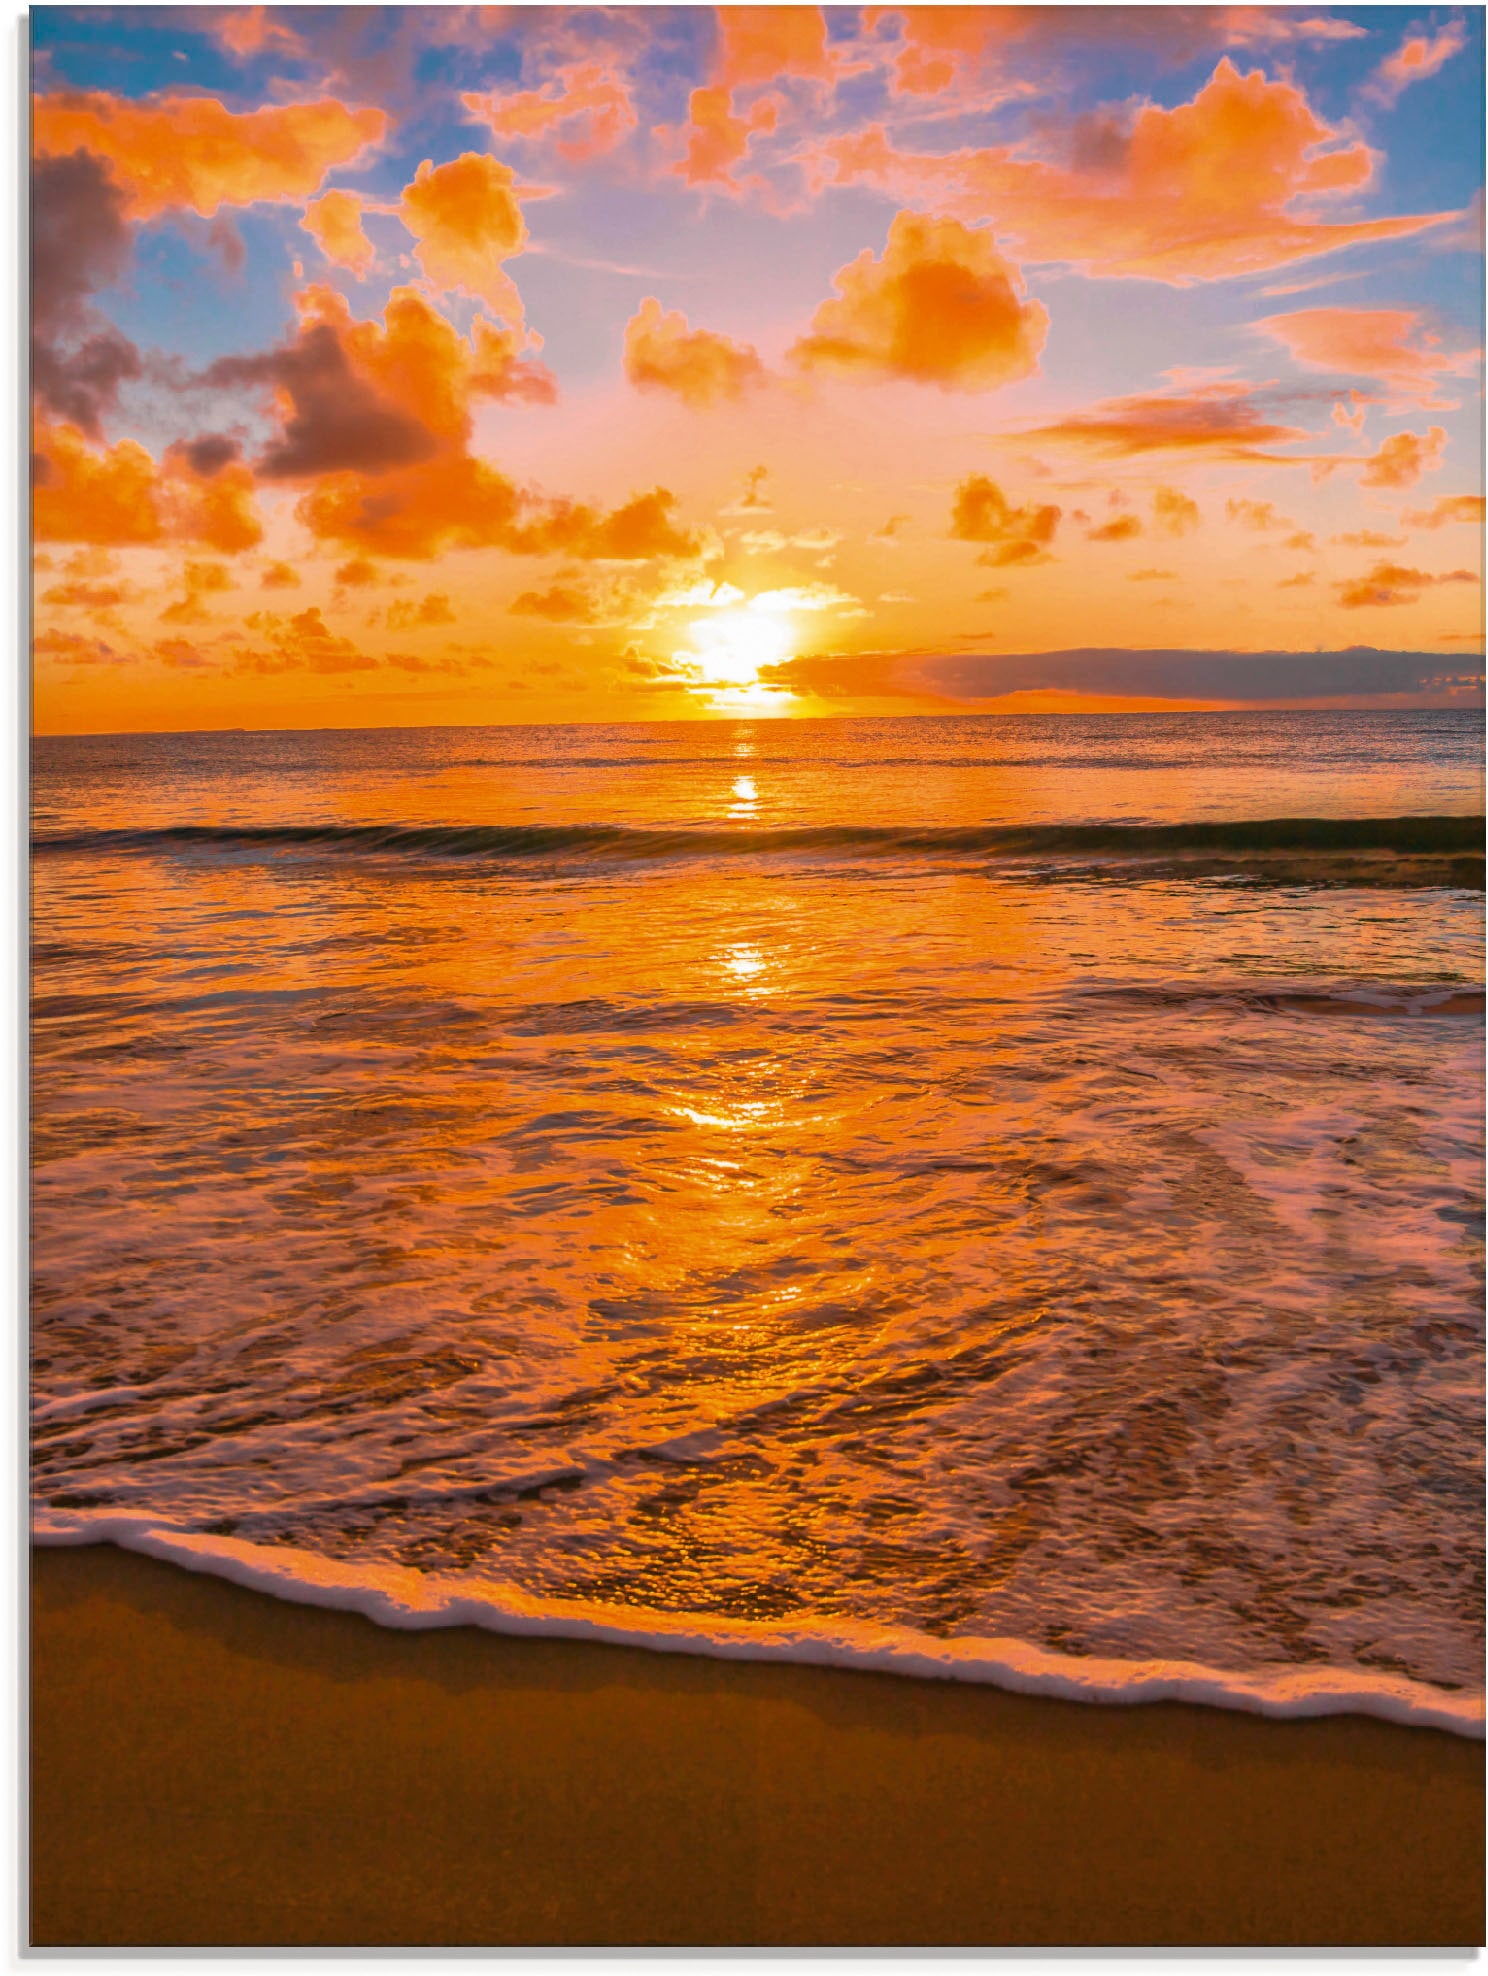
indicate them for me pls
(997, 1197)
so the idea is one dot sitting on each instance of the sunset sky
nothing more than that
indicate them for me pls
(401, 366)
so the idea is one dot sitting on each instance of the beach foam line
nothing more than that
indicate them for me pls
(392, 1595)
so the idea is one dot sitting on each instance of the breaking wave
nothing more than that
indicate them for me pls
(1444, 849)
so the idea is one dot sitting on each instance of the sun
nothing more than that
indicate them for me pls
(730, 650)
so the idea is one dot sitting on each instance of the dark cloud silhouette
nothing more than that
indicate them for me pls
(80, 241)
(210, 453)
(338, 422)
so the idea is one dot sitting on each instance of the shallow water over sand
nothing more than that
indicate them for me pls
(1073, 1247)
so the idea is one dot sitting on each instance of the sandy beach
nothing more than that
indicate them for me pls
(211, 1767)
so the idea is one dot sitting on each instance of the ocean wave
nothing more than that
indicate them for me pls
(416, 1601)
(1393, 850)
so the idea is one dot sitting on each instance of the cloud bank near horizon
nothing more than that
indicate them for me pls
(1354, 676)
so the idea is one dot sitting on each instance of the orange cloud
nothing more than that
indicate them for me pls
(1173, 513)
(941, 306)
(937, 43)
(304, 643)
(1417, 57)
(1449, 508)
(560, 603)
(454, 501)
(118, 496)
(1121, 529)
(1403, 458)
(199, 580)
(193, 152)
(334, 222)
(983, 513)
(1220, 419)
(700, 366)
(1259, 515)
(1366, 538)
(1352, 413)
(467, 221)
(1389, 345)
(432, 609)
(1389, 583)
(1201, 192)
(247, 31)
(716, 139)
(767, 44)
(370, 395)
(586, 100)
(280, 576)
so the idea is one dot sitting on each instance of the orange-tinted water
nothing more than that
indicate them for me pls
(948, 1238)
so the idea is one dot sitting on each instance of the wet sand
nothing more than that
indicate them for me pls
(211, 1767)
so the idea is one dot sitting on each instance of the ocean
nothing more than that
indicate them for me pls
(988, 1197)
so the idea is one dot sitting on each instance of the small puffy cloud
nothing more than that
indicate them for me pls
(753, 500)
(561, 603)
(1151, 576)
(1366, 538)
(1303, 580)
(304, 643)
(983, 513)
(774, 541)
(1390, 583)
(1418, 57)
(1173, 513)
(467, 220)
(359, 574)
(715, 139)
(940, 306)
(405, 615)
(280, 576)
(248, 31)
(642, 528)
(1258, 515)
(79, 595)
(699, 366)
(1390, 346)
(1121, 529)
(1351, 412)
(585, 108)
(198, 580)
(1449, 508)
(1403, 458)
(334, 222)
(809, 597)
(193, 152)
(73, 648)
(1302, 541)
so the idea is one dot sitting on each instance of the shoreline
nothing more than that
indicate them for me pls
(415, 1601)
(215, 1766)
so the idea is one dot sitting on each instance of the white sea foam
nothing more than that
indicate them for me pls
(414, 1601)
